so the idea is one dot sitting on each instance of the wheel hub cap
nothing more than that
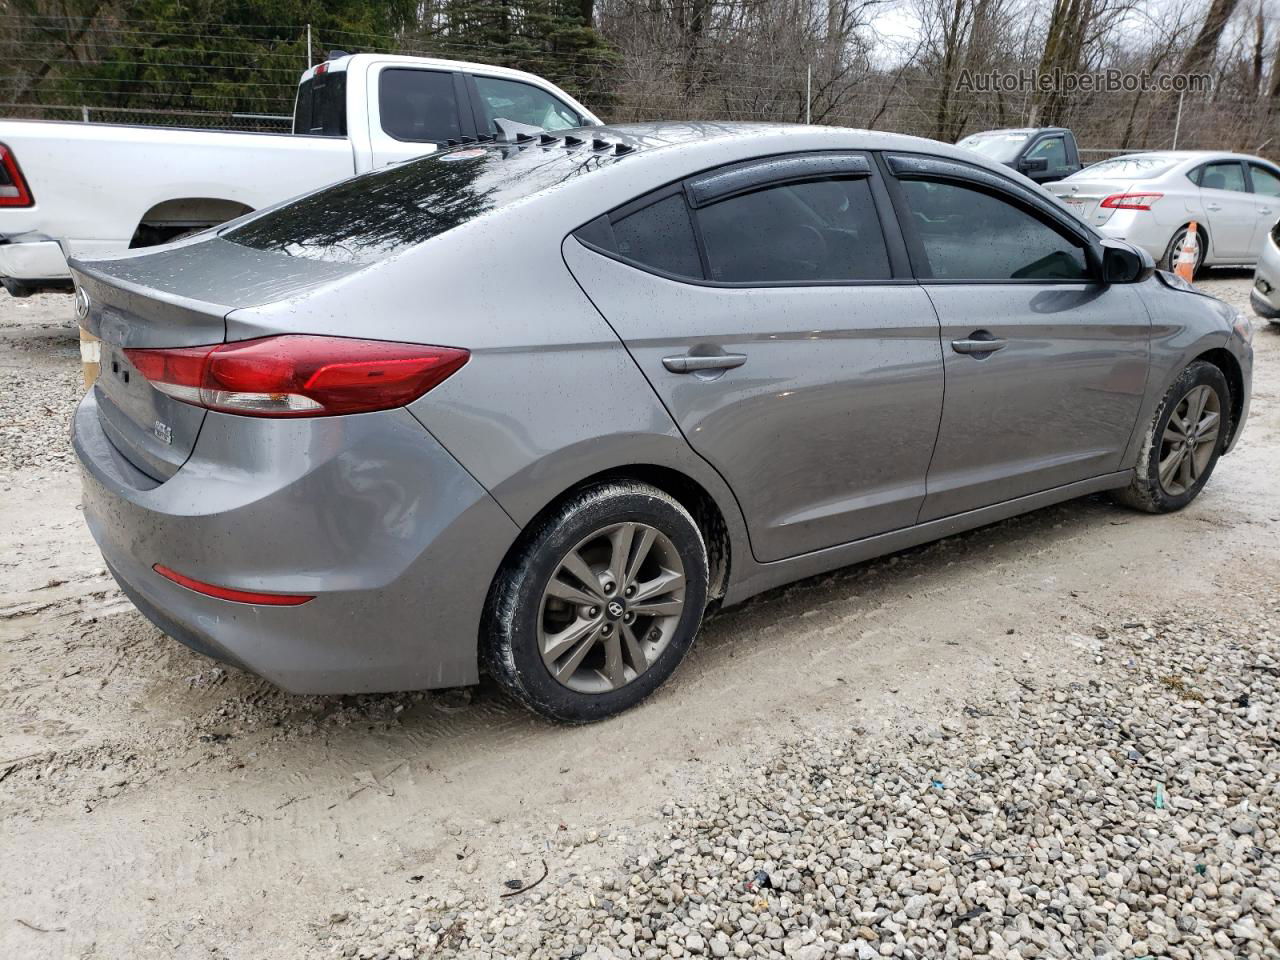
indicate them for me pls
(1189, 440)
(611, 607)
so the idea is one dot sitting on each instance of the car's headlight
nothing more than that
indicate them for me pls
(1175, 282)
(1243, 326)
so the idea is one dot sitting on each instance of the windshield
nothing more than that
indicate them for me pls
(1126, 168)
(373, 216)
(999, 145)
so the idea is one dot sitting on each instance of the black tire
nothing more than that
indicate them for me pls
(1170, 258)
(1146, 492)
(510, 629)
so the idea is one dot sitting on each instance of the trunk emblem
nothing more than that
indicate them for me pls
(163, 431)
(82, 303)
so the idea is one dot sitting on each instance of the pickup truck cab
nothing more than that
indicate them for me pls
(91, 190)
(1043, 154)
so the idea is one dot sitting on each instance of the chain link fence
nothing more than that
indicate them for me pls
(207, 85)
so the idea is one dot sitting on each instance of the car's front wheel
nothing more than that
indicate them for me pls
(1187, 435)
(599, 603)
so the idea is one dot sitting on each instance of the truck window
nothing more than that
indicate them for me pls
(418, 106)
(523, 103)
(1052, 149)
(321, 107)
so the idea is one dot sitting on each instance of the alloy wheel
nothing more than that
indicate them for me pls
(1189, 440)
(611, 607)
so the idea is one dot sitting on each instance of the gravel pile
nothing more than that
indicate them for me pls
(1130, 814)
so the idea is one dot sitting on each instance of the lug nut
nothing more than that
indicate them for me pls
(610, 587)
(594, 612)
(628, 617)
(630, 591)
(608, 629)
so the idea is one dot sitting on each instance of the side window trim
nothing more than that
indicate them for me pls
(734, 181)
(597, 234)
(920, 261)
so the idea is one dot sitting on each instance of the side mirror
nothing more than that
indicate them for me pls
(1124, 263)
(1033, 164)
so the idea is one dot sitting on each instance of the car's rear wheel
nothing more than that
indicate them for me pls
(1170, 258)
(599, 603)
(1187, 435)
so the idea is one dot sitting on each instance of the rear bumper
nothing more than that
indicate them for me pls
(33, 260)
(397, 543)
(1141, 229)
(1263, 306)
(1265, 295)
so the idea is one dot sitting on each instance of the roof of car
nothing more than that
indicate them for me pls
(657, 134)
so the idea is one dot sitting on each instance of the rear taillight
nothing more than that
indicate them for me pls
(298, 376)
(1130, 201)
(13, 185)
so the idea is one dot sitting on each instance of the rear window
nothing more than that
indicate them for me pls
(1127, 168)
(321, 107)
(374, 216)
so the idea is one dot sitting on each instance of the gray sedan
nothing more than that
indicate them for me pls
(535, 406)
(1150, 199)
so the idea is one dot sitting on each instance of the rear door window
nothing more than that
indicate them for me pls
(523, 103)
(418, 106)
(969, 234)
(1222, 176)
(809, 232)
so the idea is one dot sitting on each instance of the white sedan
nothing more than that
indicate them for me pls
(1150, 199)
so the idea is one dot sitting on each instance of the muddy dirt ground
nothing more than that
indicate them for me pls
(156, 804)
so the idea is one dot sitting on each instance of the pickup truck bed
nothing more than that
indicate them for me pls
(99, 182)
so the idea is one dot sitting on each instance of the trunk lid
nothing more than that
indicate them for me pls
(176, 297)
(1082, 197)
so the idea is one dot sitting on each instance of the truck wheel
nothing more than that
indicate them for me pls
(599, 604)
(1183, 443)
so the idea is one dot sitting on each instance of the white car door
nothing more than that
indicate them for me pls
(1266, 198)
(1230, 208)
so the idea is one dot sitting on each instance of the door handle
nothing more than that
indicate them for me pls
(691, 364)
(979, 343)
(1213, 206)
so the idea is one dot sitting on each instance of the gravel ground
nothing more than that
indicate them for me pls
(39, 382)
(957, 750)
(1131, 814)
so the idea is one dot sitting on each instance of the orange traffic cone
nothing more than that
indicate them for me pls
(1186, 265)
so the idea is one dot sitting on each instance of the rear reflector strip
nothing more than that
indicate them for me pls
(235, 596)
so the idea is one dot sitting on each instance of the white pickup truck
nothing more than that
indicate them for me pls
(79, 189)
